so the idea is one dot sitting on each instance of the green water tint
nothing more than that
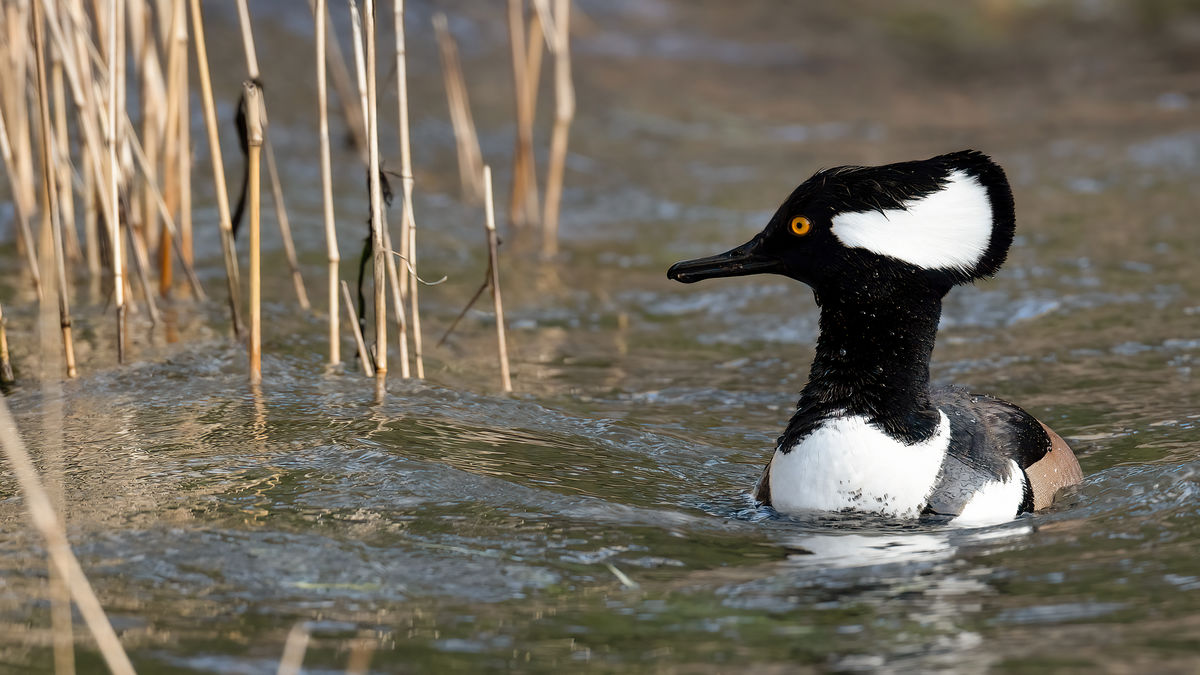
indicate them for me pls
(460, 531)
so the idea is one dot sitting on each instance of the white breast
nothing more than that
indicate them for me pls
(847, 463)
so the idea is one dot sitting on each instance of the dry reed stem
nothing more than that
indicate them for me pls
(174, 49)
(379, 263)
(361, 651)
(494, 264)
(154, 93)
(141, 267)
(82, 87)
(50, 207)
(6, 370)
(535, 37)
(23, 209)
(408, 224)
(116, 54)
(352, 315)
(397, 300)
(51, 416)
(172, 233)
(519, 208)
(281, 217)
(564, 113)
(397, 282)
(466, 140)
(360, 70)
(62, 158)
(171, 177)
(254, 134)
(285, 227)
(45, 520)
(340, 74)
(293, 650)
(184, 157)
(248, 40)
(360, 64)
(335, 338)
(20, 134)
(91, 120)
(168, 222)
(214, 145)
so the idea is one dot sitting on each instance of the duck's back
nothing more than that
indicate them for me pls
(1001, 461)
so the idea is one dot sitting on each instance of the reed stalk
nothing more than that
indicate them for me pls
(90, 118)
(51, 417)
(45, 520)
(79, 75)
(285, 227)
(293, 650)
(17, 20)
(184, 156)
(359, 660)
(408, 224)
(6, 370)
(51, 214)
(397, 299)
(494, 264)
(361, 73)
(360, 64)
(141, 268)
(171, 177)
(281, 217)
(521, 211)
(23, 209)
(340, 74)
(154, 94)
(398, 283)
(564, 113)
(379, 263)
(363, 356)
(535, 40)
(116, 54)
(91, 223)
(62, 154)
(210, 119)
(171, 232)
(254, 135)
(466, 140)
(331, 244)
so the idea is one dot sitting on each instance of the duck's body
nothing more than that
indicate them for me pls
(988, 461)
(881, 246)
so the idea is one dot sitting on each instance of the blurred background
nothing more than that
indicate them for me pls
(598, 519)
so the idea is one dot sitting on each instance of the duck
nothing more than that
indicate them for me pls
(880, 247)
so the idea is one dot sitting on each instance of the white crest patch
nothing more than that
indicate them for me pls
(996, 502)
(950, 228)
(847, 463)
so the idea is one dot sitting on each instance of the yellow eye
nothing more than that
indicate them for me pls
(801, 226)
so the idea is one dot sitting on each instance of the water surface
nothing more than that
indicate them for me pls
(598, 519)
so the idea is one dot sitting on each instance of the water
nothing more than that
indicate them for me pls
(598, 519)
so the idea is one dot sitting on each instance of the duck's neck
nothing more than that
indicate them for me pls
(872, 360)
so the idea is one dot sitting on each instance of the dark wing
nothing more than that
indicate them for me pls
(985, 433)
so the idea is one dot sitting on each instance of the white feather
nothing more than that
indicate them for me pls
(995, 502)
(847, 463)
(950, 228)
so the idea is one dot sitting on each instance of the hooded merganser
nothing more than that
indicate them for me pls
(880, 246)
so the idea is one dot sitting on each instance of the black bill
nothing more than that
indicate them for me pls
(745, 259)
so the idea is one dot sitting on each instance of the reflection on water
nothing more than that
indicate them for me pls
(599, 518)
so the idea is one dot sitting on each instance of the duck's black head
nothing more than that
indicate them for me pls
(941, 221)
